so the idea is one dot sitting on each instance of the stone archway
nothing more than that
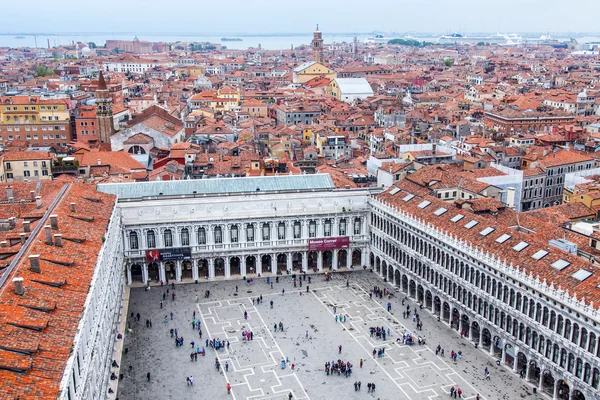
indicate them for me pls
(548, 383)
(475, 332)
(357, 258)
(437, 306)
(342, 258)
(509, 357)
(534, 373)
(251, 265)
(390, 277)
(378, 265)
(486, 339)
(153, 273)
(522, 364)
(203, 268)
(219, 267)
(234, 266)
(404, 283)
(265, 263)
(372, 261)
(577, 395)
(312, 260)
(297, 262)
(420, 294)
(428, 300)
(498, 347)
(187, 270)
(412, 289)
(562, 389)
(384, 271)
(465, 325)
(282, 262)
(397, 278)
(136, 273)
(327, 259)
(170, 270)
(446, 312)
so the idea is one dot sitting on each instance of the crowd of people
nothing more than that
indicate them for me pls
(340, 367)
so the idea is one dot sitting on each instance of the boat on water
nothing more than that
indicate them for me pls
(20, 37)
(498, 38)
(231, 39)
(380, 39)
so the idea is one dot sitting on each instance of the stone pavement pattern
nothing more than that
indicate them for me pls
(406, 372)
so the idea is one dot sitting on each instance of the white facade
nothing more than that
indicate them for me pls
(245, 234)
(529, 326)
(132, 67)
(87, 373)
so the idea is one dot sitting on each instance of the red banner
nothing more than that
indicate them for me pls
(328, 243)
(152, 256)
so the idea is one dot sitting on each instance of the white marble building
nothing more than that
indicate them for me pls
(241, 234)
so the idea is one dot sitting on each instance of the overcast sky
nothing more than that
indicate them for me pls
(284, 16)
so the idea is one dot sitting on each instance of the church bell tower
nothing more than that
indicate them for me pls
(317, 46)
(104, 111)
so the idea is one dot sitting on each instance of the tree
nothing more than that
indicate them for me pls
(448, 63)
(92, 45)
(480, 44)
(42, 70)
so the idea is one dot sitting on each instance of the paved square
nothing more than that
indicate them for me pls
(254, 367)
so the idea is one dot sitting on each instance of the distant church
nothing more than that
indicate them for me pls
(315, 68)
(317, 46)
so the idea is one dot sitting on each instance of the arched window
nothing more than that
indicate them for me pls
(327, 228)
(201, 236)
(312, 229)
(266, 234)
(234, 234)
(168, 237)
(133, 241)
(151, 239)
(297, 230)
(281, 231)
(185, 237)
(250, 233)
(218, 235)
(342, 228)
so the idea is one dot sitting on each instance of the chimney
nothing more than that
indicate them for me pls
(38, 201)
(32, 195)
(73, 209)
(54, 222)
(34, 263)
(510, 197)
(58, 240)
(4, 243)
(48, 234)
(19, 290)
(26, 226)
(12, 221)
(23, 236)
(9, 193)
(99, 162)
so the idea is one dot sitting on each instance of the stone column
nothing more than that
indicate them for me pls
(289, 266)
(194, 270)
(540, 383)
(161, 272)
(178, 270)
(145, 272)
(274, 237)
(334, 259)
(258, 259)
(320, 260)
(211, 267)
(305, 224)
(274, 263)
(129, 274)
(349, 257)
(364, 257)
(227, 267)
(305, 260)
(243, 265)
(289, 229)
(516, 358)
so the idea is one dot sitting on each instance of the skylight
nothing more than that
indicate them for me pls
(408, 197)
(457, 218)
(424, 204)
(394, 190)
(560, 264)
(486, 231)
(503, 238)
(440, 211)
(581, 275)
(539, 255)
(520, 246)
(471, 224)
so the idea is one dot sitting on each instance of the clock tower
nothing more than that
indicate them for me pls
(104, 111)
